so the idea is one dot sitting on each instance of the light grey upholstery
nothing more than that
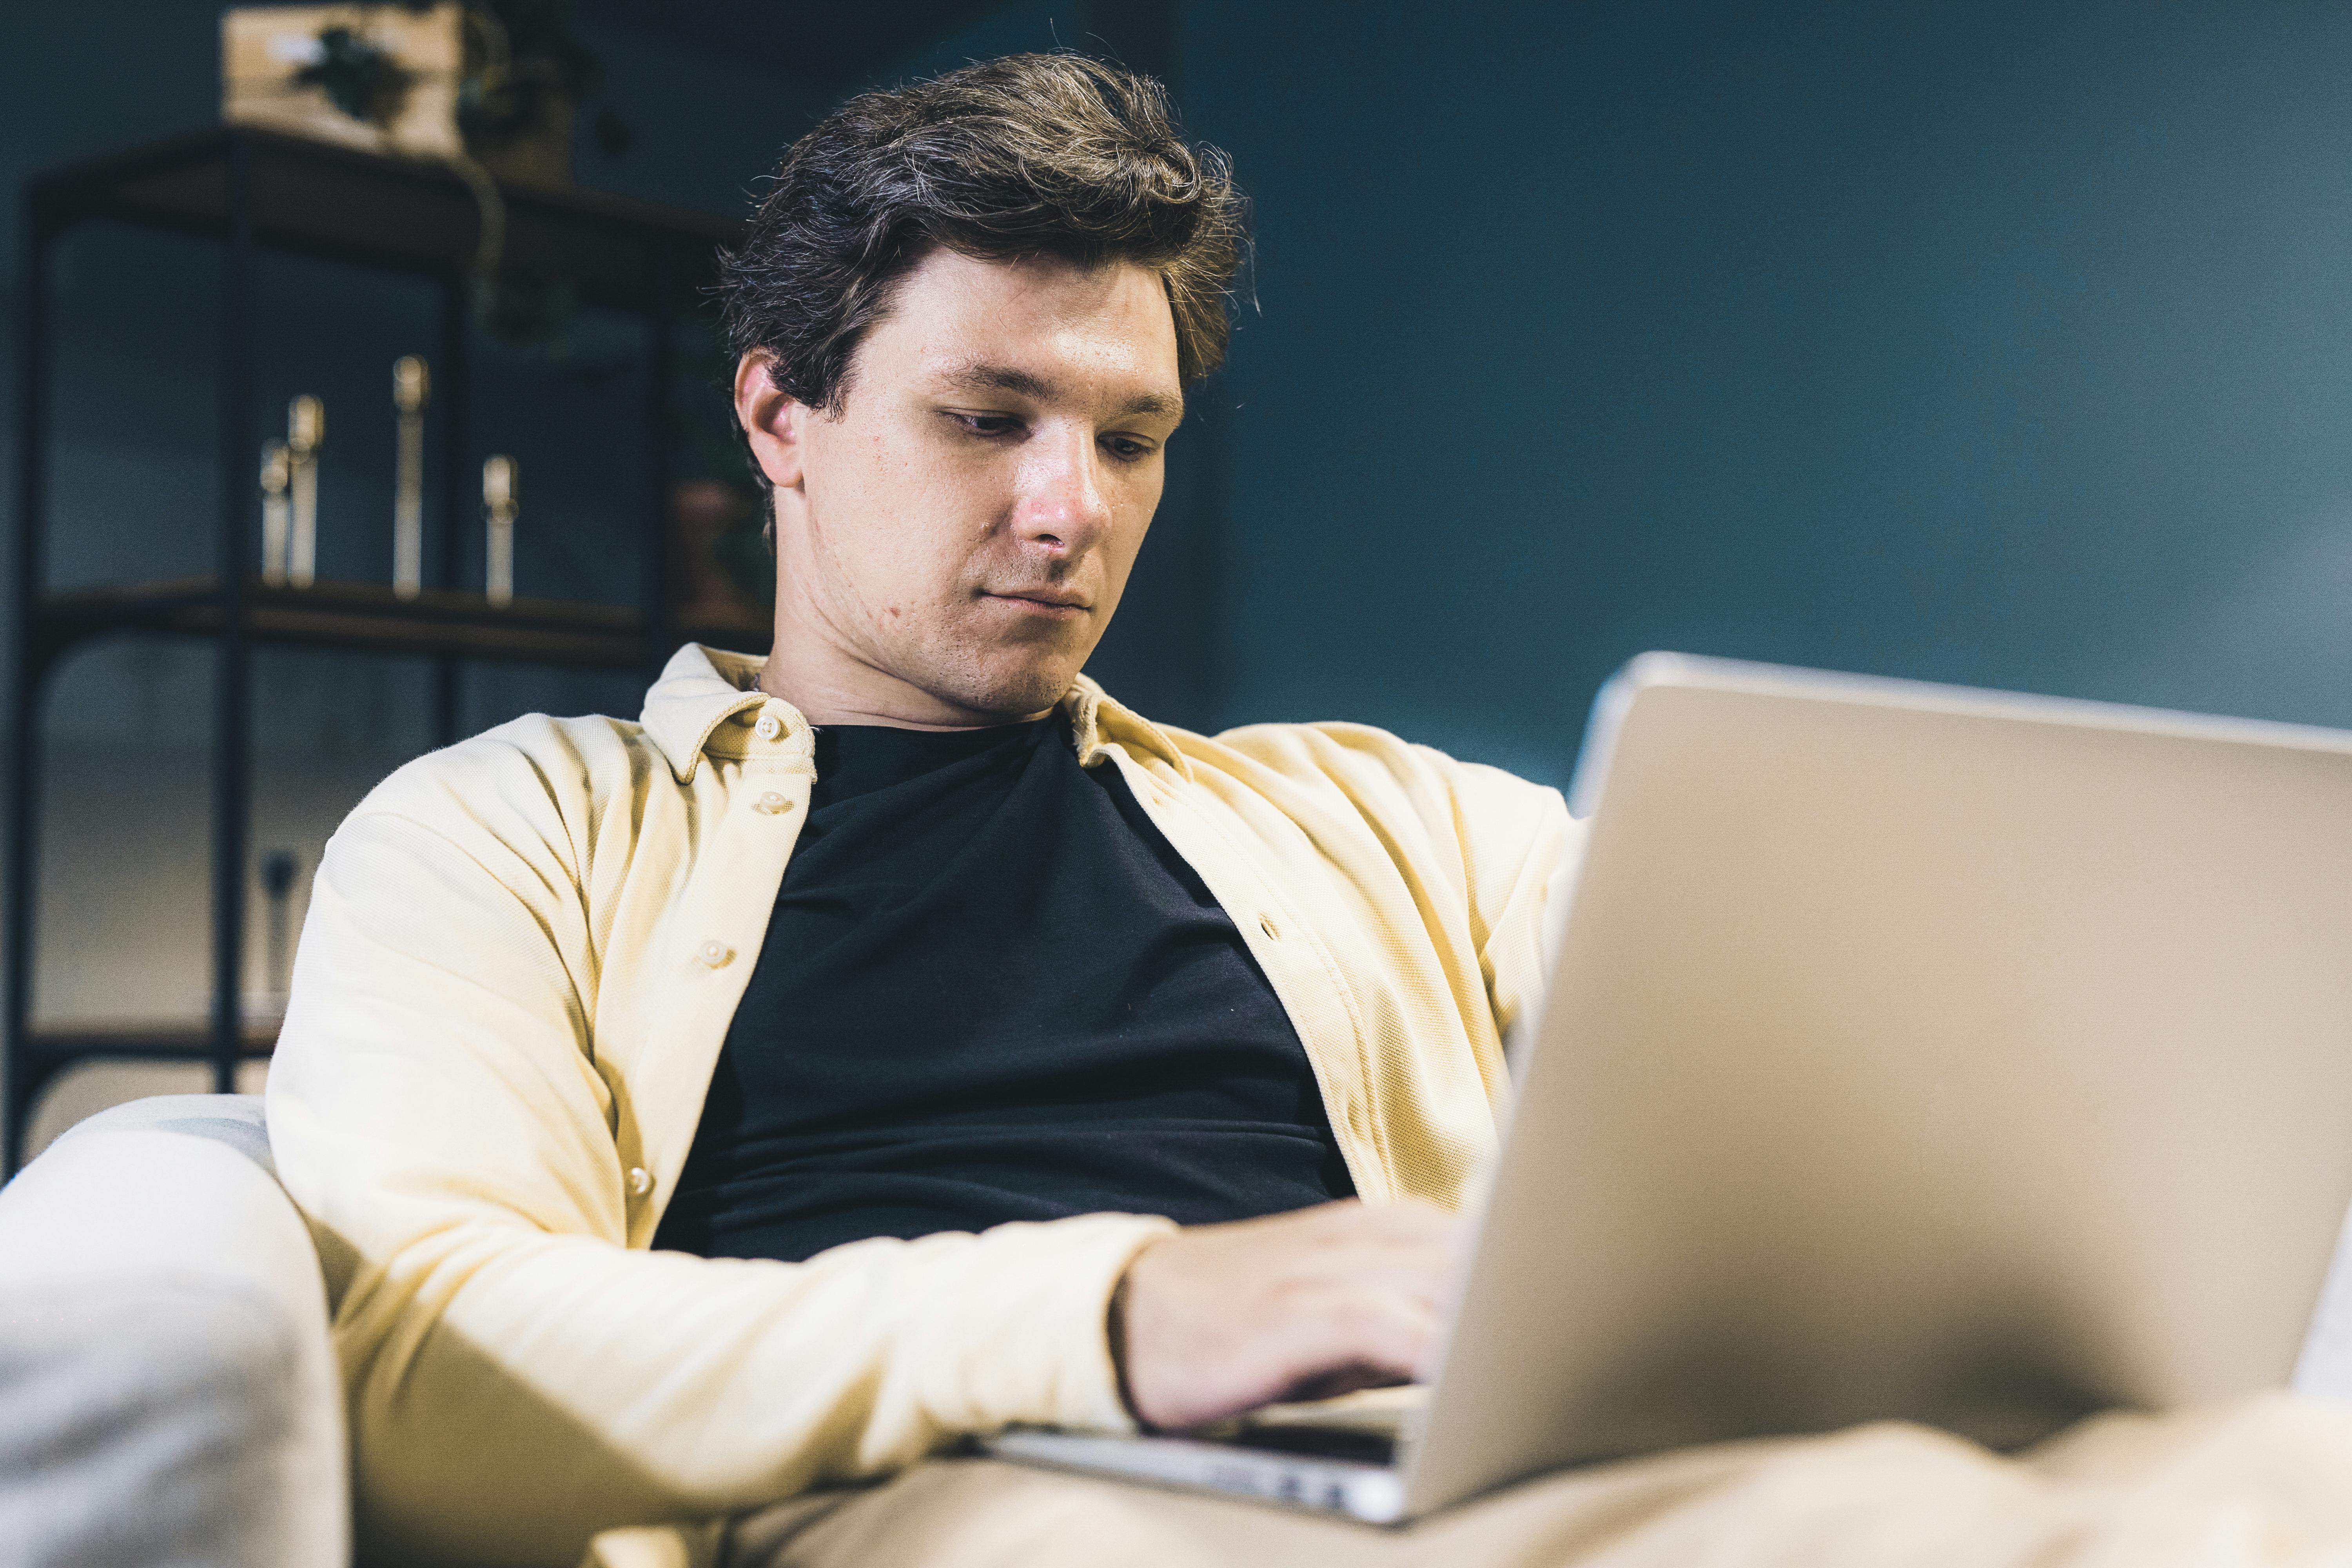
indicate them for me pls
(168, 1394)
(2326, 1365)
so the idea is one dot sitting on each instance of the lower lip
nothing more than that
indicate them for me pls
(1039, 607)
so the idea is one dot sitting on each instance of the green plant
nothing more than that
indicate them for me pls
(525, 61)
(359, 78)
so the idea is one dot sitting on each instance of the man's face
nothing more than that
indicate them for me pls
(958, 537)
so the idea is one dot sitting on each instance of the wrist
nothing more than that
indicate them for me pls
(1114, 1338)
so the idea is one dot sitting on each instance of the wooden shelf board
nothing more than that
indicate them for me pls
(731, 626)
(362, 616)
(398, 212)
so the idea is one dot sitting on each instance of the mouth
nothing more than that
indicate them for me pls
(1054, 604)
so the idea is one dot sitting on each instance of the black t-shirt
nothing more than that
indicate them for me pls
(992, 991)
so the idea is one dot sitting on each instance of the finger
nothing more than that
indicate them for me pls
(1339, 1383)
(1379, 1331)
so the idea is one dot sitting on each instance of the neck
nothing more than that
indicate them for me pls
(822, 703)
(831, 685)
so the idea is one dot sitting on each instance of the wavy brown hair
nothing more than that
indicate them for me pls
(1025, 156)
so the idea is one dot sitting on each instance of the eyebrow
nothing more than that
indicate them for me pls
(981, 376)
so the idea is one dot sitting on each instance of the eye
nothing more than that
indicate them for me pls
(1127, 449)
(985, 425)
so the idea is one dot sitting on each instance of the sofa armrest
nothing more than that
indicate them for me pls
(168, 1391)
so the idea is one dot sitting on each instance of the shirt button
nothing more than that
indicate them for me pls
(769, 727)
(714, 953)
(641, 1180)
(773, 803)
(1272, 932)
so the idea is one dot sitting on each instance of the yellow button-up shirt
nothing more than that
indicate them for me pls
(521, 957)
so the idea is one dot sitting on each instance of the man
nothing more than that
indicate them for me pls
(949, 939)
(895, 1038)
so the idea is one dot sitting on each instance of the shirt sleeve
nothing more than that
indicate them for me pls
(1520, 847)
(1473, 851)
(518, 1378)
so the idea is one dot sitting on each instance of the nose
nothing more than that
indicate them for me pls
(1060, 503)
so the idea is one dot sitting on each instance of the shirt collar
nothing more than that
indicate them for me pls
(702, 687)
(699, 689)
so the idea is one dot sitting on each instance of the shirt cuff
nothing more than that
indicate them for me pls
(1043, 1350)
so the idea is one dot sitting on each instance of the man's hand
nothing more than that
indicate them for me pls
(1220, 1319)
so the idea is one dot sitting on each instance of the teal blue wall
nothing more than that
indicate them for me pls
(1986, 341)
(1992, 341)
(2004, 343)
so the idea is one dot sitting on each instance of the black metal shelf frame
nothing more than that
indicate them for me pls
(252, 190)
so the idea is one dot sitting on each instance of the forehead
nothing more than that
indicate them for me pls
(1101, 331)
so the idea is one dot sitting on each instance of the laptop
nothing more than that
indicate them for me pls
(1910, 1052)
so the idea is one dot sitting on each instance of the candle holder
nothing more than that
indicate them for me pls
(274, 469)
(412, 389)
(306, 431)
(499, 507)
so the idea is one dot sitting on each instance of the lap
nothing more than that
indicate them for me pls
(2265, 1481)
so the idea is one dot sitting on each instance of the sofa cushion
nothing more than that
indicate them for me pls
(168, 1393)
(143, 1425)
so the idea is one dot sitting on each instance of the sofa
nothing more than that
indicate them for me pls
(168, 1394)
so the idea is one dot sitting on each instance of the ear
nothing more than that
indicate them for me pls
(773, 420)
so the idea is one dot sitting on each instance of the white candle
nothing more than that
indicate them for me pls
(274, 466)
(306, 431)
(498, 503)
(412, 386)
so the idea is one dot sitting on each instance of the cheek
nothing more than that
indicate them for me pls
(1135, 512)
(917, 578)
(877, 519)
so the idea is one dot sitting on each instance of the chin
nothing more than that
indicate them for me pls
(1003, 678)
(1015, 694)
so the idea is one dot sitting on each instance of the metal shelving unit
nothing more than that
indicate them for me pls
(250, 190)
